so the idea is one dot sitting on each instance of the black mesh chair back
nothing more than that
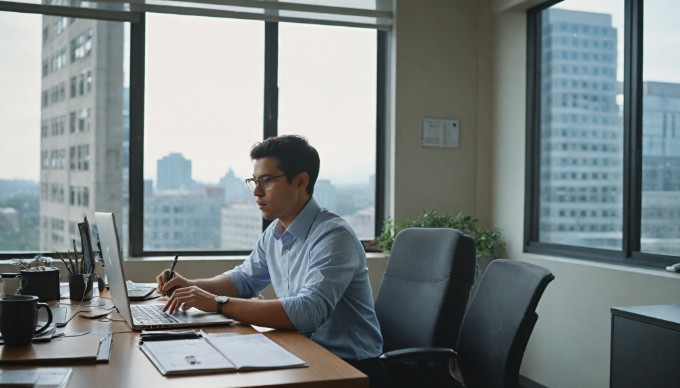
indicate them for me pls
(425, 288)
(499, 322)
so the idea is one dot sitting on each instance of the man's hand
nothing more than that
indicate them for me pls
(188, 297)
(177, 281)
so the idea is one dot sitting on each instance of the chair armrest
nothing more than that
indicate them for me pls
(418, 354)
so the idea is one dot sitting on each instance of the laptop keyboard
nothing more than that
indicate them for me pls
(146, 314)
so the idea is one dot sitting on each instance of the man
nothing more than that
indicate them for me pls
(312, 258)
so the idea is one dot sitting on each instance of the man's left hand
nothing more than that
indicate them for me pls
(188, 297)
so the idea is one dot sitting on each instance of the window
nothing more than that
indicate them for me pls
(660, 94)
(196, 148)
(327, 93)
(200, 93)
(203, 112)
(38, 194)
(623, 98)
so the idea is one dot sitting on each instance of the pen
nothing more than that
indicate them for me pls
(172, 273)
(65, 264)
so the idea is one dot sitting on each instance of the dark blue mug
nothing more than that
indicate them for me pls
(19, 318)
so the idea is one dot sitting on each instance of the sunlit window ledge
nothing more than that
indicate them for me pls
(660, 272)
(146, 269)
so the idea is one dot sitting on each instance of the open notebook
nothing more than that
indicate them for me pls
(141, 316)
(218, 352)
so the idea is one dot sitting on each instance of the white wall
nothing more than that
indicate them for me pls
(436, 69)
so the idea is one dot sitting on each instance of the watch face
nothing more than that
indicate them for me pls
(221, 299)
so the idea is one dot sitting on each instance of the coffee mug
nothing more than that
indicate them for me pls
(19, 318)
(9, 283)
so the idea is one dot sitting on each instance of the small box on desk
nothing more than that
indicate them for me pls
(42, 283)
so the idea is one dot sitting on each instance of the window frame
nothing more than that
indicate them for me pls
(630, 253)
(136, 116)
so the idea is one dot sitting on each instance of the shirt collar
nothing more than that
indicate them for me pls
(302, 224)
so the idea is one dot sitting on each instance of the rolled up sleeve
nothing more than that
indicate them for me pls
(331, 266)
(252, 276)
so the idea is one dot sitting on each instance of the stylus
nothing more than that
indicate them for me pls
(172, 273)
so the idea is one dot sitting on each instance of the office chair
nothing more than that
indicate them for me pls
(495, 330)
(422, 298)
(499, 322)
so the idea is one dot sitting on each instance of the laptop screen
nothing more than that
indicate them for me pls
(113, 267)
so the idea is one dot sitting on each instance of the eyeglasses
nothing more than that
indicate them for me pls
(262, 182)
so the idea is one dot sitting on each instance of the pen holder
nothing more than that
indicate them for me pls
(80, 286)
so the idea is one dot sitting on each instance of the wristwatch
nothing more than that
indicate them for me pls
(221, 301)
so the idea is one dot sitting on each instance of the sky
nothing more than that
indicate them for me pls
(19, 96)
(204, 94)
(204, 89)
(661, 31)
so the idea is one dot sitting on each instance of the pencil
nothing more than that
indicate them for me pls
(75, 255)
(65, 264)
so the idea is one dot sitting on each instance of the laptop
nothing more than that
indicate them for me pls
(136, 292)
(137, 316)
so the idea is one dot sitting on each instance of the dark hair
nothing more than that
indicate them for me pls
(294, 154)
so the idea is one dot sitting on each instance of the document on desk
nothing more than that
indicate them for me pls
(253, 351)
(218, 353)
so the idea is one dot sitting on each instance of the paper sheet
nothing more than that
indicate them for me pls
(254, 351)
(187, 355)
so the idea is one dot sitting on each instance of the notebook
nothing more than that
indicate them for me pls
(137, 292)
(113, 268)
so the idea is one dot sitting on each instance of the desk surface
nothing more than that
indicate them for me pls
(129, 367)
(667, 316)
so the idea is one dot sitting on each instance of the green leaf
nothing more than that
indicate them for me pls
(489, 241)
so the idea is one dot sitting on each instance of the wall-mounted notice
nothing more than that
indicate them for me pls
(441, 133)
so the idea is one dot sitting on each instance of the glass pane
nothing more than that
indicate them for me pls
(203, 112)
(661, 129)
(62, 99)
(327, 93)
(581, 126)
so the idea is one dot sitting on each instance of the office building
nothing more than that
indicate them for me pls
(81, 134)
(661, 168)
(582, 135)
(181, 220)
(326, 194)
(124, 215)
(174, 172)
(241, 225)
(235, 188)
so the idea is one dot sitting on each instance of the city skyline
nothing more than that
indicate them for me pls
(214, 116)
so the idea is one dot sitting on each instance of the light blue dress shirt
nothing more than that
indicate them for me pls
(317, 268)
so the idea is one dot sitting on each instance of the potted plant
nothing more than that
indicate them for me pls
(490, 244)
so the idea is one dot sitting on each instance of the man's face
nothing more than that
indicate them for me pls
(280, 199)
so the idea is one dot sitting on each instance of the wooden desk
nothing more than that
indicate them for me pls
(645, 346)
(129, 367)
